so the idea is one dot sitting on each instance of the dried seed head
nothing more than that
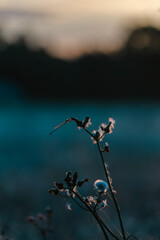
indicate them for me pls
(78, 122)
(41, 217)
(75, 177)
(109, 127)
(91, 200)
(54, 191)
(87, 122)
(68, 178)
(106, 147)
(31, 219)
(97, 135)
(101, 186)
(103, 204)
(60, 186)
(111, 122)
(48, 210)
(80, 183)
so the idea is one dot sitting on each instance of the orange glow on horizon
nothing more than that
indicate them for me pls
(69, 27)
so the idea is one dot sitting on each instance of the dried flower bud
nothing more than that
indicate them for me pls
(103, 204)
(31, 219)
(86, 122)
(108, 128)
(48, 210)
(60, 186)
(41, 217)
(68, 178)
(80, 183)
(106, 147)
(97, 135)
(78, 122)
(75, 177)
(54, 191)
(91, 200)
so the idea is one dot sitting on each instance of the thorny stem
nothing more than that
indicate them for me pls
(112, 194)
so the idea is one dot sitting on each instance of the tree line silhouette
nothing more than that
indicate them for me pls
(131, 73)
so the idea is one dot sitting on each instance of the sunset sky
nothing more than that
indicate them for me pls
(68, 28)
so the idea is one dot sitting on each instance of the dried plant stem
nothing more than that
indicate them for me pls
(112, 193)
(108, 229)
(93, 213)
(86, 209)
(97, 137)
(109, 184)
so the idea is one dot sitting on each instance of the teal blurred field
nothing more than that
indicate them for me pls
(30, 160)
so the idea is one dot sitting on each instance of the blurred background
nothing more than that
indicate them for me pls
(65, 58)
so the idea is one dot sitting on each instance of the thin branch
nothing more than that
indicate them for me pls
(108, 229)
(112, 193)
(60, 125)
(80, 204)
(132, 236)
(89, 133)
(110, 187)
(65, 196)
(93, 213)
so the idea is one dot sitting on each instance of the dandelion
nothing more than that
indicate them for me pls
(101, 186)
